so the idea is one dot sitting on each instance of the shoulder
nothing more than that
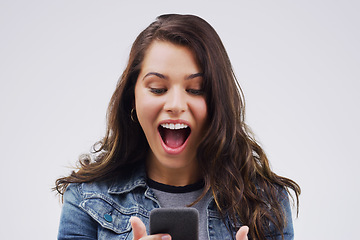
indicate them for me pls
(272, 193)
(123, 181)
(116, 192)
(82, 191)
(283, 198)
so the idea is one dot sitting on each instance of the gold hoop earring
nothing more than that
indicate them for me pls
(132, 115)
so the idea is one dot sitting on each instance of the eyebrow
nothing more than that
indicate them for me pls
(195, 76)
(159, 75)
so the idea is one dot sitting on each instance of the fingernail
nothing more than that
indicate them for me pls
(165, 237)
(131, 220)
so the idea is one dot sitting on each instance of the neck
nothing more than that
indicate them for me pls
(173, 176)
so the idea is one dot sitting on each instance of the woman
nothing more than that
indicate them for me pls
(176, 137)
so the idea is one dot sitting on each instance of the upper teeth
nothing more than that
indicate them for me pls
(174, 126)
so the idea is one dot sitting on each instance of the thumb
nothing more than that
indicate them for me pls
(138, 227)
(242, 233)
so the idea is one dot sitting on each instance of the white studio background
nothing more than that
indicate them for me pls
(297, 61)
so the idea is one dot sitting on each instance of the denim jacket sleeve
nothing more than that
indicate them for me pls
(288, 230)
(75, 223)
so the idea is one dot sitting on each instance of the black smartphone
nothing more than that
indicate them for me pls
(180, 223)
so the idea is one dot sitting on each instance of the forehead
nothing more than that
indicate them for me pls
(166, 56)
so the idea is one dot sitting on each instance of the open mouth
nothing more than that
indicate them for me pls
(174, 135)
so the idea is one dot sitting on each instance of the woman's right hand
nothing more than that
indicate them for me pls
(139, 231)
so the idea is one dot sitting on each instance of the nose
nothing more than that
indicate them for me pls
(175, 101)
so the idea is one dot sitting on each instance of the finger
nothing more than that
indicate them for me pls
(138, 227)
(242, 233)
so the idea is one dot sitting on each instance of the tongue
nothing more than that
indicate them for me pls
(174, 138)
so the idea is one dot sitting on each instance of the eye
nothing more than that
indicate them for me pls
(158, 91)
(195, 91)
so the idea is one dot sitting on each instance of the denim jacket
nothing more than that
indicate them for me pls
(101, 210)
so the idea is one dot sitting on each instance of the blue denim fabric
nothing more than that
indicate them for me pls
(102, 210)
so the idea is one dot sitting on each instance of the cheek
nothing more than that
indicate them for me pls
(200, 111)
(146, 112)
(147, 108)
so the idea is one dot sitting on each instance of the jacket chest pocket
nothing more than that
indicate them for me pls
(113, 220)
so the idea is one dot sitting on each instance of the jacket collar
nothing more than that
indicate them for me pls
(124, 184)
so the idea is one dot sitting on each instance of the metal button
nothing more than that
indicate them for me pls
(108, 217)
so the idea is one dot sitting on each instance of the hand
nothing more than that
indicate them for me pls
(139, 231)
(242, 233)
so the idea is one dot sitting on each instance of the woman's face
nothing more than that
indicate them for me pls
(171, 107)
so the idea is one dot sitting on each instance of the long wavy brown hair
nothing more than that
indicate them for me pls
(233, 164)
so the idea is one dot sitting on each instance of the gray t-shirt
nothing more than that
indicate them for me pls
(173, 197)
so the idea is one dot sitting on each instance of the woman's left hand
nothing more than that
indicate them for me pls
(242, 233)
